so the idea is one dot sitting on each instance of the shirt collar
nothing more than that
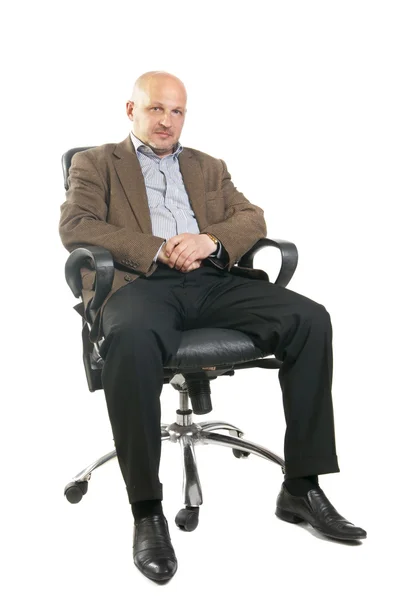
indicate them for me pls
(144, 149)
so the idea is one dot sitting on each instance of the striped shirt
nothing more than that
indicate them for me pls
(169, 206)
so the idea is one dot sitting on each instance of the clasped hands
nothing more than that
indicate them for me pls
(186, 251)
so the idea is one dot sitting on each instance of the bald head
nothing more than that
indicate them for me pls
(157, 109)
(151, 80)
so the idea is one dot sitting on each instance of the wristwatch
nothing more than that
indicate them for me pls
(218, 244)
(213, 238)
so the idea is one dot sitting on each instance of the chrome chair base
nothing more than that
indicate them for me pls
(188, 435)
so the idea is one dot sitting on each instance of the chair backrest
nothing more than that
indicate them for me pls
(67, 161)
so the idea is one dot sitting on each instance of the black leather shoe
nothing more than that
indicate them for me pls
(315, 509)
(152, 550)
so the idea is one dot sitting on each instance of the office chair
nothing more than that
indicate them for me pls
(204, 355)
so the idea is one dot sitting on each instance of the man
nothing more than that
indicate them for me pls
(175, 225)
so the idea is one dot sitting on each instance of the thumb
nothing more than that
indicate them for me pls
(170, 245)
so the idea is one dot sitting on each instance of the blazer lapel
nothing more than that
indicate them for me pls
(129, 172)
(194, 184)
(130, 175)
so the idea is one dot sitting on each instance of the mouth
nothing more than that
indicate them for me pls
(163, 134)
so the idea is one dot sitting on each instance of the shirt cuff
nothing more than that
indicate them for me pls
(157, 253)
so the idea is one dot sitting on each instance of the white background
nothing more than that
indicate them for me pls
(304, 91)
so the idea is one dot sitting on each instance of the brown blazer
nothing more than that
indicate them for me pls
(106, 205)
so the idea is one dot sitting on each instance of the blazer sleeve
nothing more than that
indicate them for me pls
(243, 224)
(83, 219)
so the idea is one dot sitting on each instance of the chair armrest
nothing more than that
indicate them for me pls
(289, 256)
(98, 258)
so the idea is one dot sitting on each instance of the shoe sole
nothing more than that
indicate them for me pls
(292, 518)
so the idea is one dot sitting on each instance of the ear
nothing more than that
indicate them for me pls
(130, 109)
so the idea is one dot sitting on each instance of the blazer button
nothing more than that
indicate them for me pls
(127, 278)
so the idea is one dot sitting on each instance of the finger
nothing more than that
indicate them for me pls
(195, 265)
(170, 245)
(174, 256)
(185, 259)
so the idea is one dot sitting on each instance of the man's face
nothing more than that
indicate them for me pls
(158, 114)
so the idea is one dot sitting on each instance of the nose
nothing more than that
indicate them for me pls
(166, 119)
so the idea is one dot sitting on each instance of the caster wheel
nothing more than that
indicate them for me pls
(187, 519)
(240, 453)
(75, 491)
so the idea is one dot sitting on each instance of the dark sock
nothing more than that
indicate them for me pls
(300, 486)
(146, 508)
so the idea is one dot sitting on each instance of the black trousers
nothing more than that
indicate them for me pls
(142, 325)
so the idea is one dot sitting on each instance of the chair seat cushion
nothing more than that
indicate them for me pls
(213, 347)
